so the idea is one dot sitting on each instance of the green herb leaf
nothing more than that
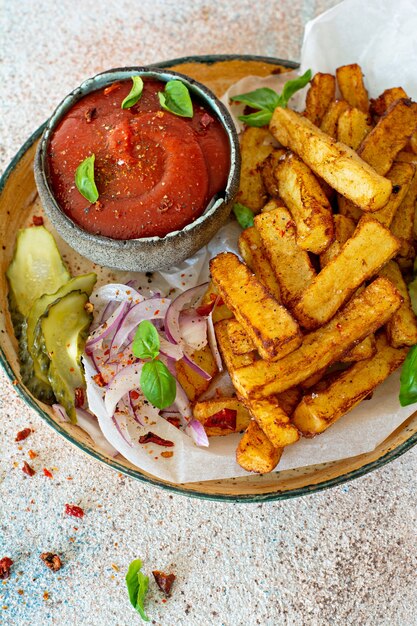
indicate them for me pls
(263, 98)
(146, 342)
(158, 384)
(134, 94)
(243, 215)
(137, 587)
(84, 179)
(258, 119)
(412, 288)
(176, 99)
(408, 379)
(292, 86)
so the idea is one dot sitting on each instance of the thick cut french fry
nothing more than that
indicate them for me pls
(255, 453)
(352, 127)
(344, 227)
(192, 383)
(321, 408)
(231, 360)
(291, 265)
(390, 135)
(379, 106)
(371, 246)
(319, 96)
(362, 316)
(331, 118)
(336, 163)
(269, 325)
(289, 399)
(254, 150)
(402, 225)
(240, 342)
(220, 312)
(254, 255)
(402, 327)
(308, 205)
(364, 350)
(267, 168)
(206, 409)
(351, 85)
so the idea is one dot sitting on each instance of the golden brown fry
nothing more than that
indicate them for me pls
(308, 205)
(240, 342)
(267, 172)
(192, 383)
(289, 399)
(269, 325)
(402, 225)
(254, 255)
(330, 120)
(255, 453)
(206, 409)
(379, 106)
(291, 265)
(344, 227)
(220, 312)
(352, 127)
(352, 88)
(390, 135)
(319, 96)
(254, 150)
(364, 350)
(371, 246)
(402, 327)
(406, 157)
(336, 163)
(362, 316)
(231, 360)
(320, 409)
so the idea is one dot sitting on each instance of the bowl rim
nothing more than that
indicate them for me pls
(389, 456)
(103, 79)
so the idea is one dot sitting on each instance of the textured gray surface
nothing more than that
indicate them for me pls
(345, 556)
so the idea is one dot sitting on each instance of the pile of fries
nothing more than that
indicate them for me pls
(318, 313)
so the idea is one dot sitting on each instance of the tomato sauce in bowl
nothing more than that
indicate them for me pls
(155, 172)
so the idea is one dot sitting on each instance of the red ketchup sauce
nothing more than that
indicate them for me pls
(155, 172)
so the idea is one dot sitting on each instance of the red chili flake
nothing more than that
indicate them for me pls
(175, 421)
(23, 434)
(99, 380)
(111, 88)
(164, 581)
(156, 312)
(134, 394)
(152, 438)
(205, 309)
(32, 454)
(47, 473)
(5, 565)
(79, 396)
(27, 469)
(339, 326)
(75, 511)
(226, 418)
(51, 560)
(206, 120)
(37, 220)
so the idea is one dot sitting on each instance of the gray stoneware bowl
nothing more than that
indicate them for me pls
(147, 253)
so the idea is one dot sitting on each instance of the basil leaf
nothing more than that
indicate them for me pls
(158, 384)
(263, 98)
(243, 215)
(408, 379)
(84, 179)
(292, 86)
(258, 119)
(146, 342)
(176, 99)
(137, 587)
(134, 94)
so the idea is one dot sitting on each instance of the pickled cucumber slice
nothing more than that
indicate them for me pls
(64, 327)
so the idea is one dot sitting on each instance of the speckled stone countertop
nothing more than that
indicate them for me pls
(344, 556)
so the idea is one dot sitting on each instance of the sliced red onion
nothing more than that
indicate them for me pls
(171, 350)
(124, 381)
(197, 433)
(213, 342)
(114, 292)
(182, 403)
(89, 423)
(193, 329)
(172, 318)
(107, 328)
(194, 366)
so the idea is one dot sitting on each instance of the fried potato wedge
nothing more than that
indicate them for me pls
(353, 125)
(267, 169)
(390, 135)
(291, 265)
(254, 149)
(380, 105)
(340, 166)
(192, 383)
(240, 342)
(371, 246)
(231, 360)
(210, 414)
(402, 327)
(363, 350)
(321, 408)
(270, 326)
(254, 255)
(308, 205)
(402, 225)
(255, 453)
(330, 120)
(362, 316)
(351, 86)
(289, 399)
(344, 227)
(220, 312)
(321, 93)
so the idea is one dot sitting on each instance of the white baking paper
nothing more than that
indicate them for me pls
(381, 37)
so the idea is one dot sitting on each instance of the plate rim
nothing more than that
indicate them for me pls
(389, 456)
